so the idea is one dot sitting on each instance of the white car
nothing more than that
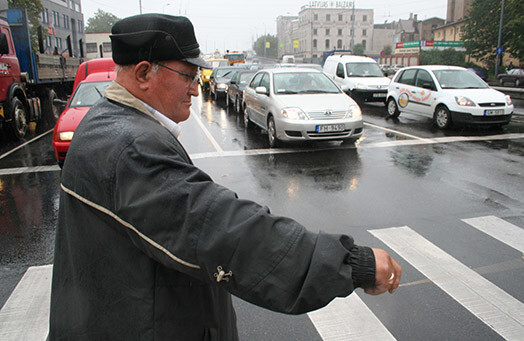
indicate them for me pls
(448, 94)
(295, 104)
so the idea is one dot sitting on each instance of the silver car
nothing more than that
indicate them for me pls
(295, 104)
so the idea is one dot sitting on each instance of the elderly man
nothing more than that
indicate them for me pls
(148, 247)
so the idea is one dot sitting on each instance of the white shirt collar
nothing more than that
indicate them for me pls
(173, 127)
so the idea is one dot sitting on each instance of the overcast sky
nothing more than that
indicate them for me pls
(235, 24)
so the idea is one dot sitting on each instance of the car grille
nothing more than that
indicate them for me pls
(313, 134)
(492, 104)
(321, 115)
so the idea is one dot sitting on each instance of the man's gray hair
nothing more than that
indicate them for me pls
(125, 68)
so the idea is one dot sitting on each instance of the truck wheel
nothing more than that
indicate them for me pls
(18, 125)
(49, 108)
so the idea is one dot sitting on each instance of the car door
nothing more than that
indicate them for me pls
(261, 100)
(407, 91)
(250, 96)
(423, 97)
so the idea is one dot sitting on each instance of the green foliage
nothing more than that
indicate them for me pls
(388, 50)
(480, 32)
(358, 50)
(261, 50)
(442, 57)
(34, 8)
(101, 22)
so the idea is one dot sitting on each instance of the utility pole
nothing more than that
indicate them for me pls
(140, 5)
(499, 47)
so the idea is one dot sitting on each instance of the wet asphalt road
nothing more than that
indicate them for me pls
(403, 172)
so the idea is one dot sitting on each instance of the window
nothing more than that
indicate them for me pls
(364, 32)
(340, 17)
(327, 44)
(327, 31)
(58, 43)
(80, 26)
(106, 47)
(71, 4)
(314, 43)
(315, 31)
(340, 70)
(364, 43)
(91, 48)
(315, 16)
(424, 80)
(77, 7)
(339, 32)
(45, 16)
(66, 21)
(328, 17)
(339, 44)
(364, 18)
(408, 77)
(265, 81)
(256, 81)
(56, 19)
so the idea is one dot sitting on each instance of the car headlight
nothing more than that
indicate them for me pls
(354, 111)
(66, 135)
(294, 114)
(222, 86)
(464, 101)
(508, 100)
(361, 86)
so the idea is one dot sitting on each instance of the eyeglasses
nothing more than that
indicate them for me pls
(193, 78)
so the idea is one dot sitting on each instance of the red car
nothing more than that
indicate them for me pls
(87, 93)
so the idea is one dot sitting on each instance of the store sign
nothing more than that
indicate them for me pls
(407, 50)
(295, 44)
(330, 4)
(429, 43)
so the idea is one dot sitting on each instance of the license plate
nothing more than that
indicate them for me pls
(329, 128)
(493, 112)
(380, 94)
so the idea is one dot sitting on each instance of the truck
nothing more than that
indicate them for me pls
(30, 82)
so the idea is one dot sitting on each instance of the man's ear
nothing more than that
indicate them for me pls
(142, 74)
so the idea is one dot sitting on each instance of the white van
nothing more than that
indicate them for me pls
(288, 59)
(360, 77)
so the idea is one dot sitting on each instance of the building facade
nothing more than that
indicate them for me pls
(457, 10)
(62, 19)
(324, 25)
(98, 45)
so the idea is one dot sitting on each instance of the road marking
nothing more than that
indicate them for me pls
(393, 131)
(25, 144)
(207, 133)
(23, 170)
(348, 319)
(497, 309)
(25, 315)
(499, 229)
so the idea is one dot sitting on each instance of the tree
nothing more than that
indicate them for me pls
(481, 30)
(101, 22)
(34, 8)
(388, 50)
(443, 57)
(358, 50)
(260, 46)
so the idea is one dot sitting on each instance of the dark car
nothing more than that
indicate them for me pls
(219, 81)
(513, 76)
(481, 73)
(236, 87)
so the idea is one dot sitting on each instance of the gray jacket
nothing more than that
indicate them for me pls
(148, 247)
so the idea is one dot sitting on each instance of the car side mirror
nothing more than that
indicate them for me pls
(4, 46)
(262, 90)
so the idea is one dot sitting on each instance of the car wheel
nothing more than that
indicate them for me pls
(247, 122)
(442, 117)
(227, 100)
(18, 124)
(392, 107)
(272, 133)
(238, 107)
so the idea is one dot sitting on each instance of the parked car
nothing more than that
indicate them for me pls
(300, 104)
(219, 81)
(87, 93)
(238, 83)
(448, 94)
(360, 77)
(513, 76)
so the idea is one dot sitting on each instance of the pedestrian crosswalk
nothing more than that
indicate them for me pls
(25, 315)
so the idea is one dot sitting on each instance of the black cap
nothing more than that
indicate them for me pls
(154, 38)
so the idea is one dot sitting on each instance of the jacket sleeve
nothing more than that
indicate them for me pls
(184, 220)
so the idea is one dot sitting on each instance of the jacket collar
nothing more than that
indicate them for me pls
(118, 93)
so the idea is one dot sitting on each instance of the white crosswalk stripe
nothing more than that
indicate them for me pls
(26, 313)
(500, 311)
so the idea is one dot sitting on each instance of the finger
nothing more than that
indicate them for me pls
(397, 276)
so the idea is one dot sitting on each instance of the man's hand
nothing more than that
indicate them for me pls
(388, 273)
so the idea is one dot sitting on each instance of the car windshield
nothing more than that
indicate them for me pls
(88, 93)
(303, 82)
(459, 79)
(363, 70)
(245, 77)
(226, 73)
